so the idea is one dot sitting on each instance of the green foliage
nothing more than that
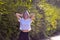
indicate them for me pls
(8, 6)
(8, 23)
(51, 13)
(45, 24)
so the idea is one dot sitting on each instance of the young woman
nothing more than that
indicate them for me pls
(25, 24)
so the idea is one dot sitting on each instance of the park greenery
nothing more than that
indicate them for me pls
(46, 23)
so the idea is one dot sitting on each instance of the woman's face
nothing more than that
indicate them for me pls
(25, 16)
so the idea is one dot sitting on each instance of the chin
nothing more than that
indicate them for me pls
(25, 18)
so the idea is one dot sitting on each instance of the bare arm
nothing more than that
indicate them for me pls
(32, 16)
(18, 16)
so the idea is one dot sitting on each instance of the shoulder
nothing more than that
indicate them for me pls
(30, 20)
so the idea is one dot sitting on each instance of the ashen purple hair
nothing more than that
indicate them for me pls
(26, 12)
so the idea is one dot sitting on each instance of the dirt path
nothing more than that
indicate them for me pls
(55, 37)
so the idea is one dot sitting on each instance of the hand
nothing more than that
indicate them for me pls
(21, 15)
(17, 14)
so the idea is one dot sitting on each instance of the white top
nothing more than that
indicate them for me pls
(25, 24)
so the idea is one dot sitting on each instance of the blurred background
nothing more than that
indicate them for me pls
(45, 25)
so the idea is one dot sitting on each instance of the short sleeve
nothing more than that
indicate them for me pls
(31, 20)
